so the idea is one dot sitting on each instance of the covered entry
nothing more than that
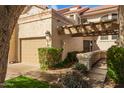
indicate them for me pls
(89, 32)
(87, 45)
(29, 49)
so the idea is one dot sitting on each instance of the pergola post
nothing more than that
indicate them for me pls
(121, 24)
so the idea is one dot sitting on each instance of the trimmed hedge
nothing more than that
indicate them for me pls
(81, 67)
(115, 63)
(70, 59)
(48, 57)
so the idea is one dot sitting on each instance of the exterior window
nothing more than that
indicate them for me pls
(78, 19)
(83, 20)
(104, 18)
(104, 37)
(114, 16)
(71, 16)
(114, 36)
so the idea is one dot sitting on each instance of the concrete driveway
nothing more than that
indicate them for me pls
(20, 69)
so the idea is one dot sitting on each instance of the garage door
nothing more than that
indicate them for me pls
(29, 50)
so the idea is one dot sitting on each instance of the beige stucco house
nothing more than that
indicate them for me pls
(37, 28)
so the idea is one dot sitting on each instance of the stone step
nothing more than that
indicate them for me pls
(98, 74)
(99, 71)
(97, 77)
(101, 65)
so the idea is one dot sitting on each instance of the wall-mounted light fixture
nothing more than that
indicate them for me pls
(48, 38)
(47, 33)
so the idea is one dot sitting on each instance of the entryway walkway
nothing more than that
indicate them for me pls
(34, 71)
(98, 74)
(17, 69)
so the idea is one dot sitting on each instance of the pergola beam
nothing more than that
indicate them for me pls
(109, 27)
(85, 35)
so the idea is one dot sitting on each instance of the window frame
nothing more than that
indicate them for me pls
(104, 17)
(71, 16)
(114, 15)
(101, 38)
(115, 37)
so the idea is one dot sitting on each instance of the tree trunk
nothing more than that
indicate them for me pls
(121, 22)
(8, 19)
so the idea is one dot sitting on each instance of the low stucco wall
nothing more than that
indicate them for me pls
(90, 58)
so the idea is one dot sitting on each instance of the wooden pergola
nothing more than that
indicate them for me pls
(109, 27)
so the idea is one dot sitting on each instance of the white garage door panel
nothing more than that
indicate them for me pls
(29, 50)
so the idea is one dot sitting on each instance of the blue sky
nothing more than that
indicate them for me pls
(65, 6)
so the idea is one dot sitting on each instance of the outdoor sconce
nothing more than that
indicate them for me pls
(48, 38)
(47, 33)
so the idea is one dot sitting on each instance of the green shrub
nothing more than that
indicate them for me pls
(48, 57)
(115, 63)
(61, 64)
(73, 79)
(81, 67)
(70, 59)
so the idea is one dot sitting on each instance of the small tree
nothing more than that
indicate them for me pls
(121, 22)
(8, 19)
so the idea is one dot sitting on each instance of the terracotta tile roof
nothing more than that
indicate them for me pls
(68, 8)
(78, 6)
(85, 11)
(88, 11)
(101, 7)
(79, 10)
(100, 10)
(63, 17)
(61, 11)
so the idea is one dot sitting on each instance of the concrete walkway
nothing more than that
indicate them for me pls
(17, 69)
(50, 76)
(98, 74)
(34, 71)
